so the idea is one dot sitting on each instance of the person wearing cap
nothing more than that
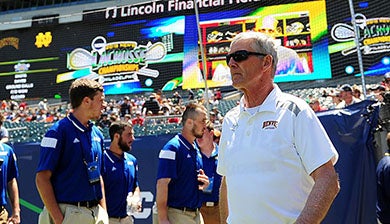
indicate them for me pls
(42, 105)
(180, 175)
(210, 195)
(276, 158)
(151, 105)
(120, 174)
(346, 96)
(386, 81)
(378, 91)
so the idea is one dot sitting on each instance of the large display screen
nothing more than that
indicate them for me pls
(155, 45)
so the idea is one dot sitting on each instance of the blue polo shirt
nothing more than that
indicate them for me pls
(180, 160)
(120, 177)
(8, 169)
(383, 190)
(64, 150)
(211, 194)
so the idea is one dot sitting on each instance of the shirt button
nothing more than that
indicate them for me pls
(248, 133)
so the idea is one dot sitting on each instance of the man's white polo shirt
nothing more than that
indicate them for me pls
(267, 158)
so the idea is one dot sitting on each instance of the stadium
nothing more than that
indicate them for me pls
(174, 51)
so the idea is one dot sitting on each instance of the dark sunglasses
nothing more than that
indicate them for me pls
(241, 55)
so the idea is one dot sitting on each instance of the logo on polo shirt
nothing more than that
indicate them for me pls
(270, 124)
(188, 156)
(76, 140)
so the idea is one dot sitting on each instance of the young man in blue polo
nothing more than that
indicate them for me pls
(120, 174)
(180, 177)
(69, 170)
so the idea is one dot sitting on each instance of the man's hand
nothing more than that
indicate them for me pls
(203, 179)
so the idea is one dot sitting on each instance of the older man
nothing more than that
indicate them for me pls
(275, 156)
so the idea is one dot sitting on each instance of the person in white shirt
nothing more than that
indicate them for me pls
(275, 157)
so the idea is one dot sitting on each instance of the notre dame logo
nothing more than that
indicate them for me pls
(43, 39)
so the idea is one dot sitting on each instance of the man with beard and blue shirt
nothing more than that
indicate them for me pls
(180, 177)
(68, 175)
(120, 174)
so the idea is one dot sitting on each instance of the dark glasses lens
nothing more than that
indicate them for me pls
(241, 55)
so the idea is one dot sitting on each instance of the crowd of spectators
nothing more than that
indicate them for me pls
(166, 107)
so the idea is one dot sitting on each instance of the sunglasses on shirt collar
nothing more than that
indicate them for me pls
(241, 55)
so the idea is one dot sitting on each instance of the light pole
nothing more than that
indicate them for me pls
(203, 59)
(359, 53)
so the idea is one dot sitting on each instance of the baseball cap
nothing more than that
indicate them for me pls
(345, 88)
(387, 75)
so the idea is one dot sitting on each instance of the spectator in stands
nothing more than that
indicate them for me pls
(151, 105)
(138, 120)
(103, 122)
(273, 128)
(383, 186)
(68, 175)
(13, 105)
(159, 96)
(176, 98)
(4, 105)
(176, 118)
(125, 107)
(180, 175)
(218, 114)
(127, 118)
(386, 81)
(120, 174)
(346, 96)
(165, 108)
(149, 122)
(335, 94)
(200, 94)
(4, 136)
(357, 93)
(42, 105)
(213, 119)
(217, 94)
(210, 195)
(378, 91)
(23, 105)
(191, 95)
(9, 174)
(315, 105)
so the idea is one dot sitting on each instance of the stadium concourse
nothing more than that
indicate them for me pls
(26, 122)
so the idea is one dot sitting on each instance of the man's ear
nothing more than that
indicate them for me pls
(267, 61)
(86, 100)
(189, 122)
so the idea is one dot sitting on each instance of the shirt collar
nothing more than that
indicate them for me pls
(186, 143)
(113, 157)
(78, 124)
(269, 103)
